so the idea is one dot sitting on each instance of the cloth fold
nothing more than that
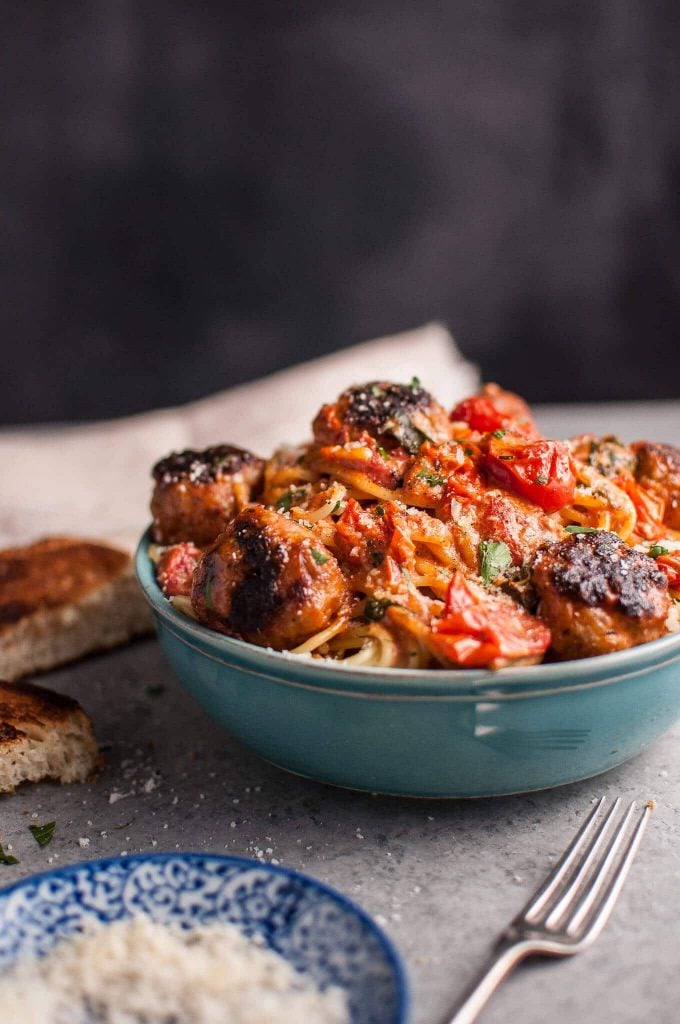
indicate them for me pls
(94, 479)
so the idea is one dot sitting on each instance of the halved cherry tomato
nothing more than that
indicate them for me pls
(481, 629)
(540, 471)
(496, 409)
(480, 414)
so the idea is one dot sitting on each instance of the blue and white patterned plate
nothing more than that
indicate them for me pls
(313, 927)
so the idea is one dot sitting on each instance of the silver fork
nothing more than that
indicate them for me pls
(570, 909)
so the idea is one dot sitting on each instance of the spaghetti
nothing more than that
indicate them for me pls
(407, 536)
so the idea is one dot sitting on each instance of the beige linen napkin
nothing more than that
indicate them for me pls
(94, 480)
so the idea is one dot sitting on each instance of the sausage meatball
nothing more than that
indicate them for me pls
(396, 415)
(196, 493)
(658, 470)
(175, 569)
(267, 580)
(598, 595)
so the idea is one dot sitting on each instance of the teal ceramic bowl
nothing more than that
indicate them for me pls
(424, 733)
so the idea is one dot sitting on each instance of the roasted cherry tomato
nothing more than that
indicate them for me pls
(480, 628)
(496, 409)
(540, 471)
(480, 414)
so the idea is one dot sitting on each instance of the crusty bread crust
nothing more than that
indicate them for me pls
(43, 735)
(62, 598)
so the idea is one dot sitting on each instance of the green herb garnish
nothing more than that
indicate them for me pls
(541, 480)
(656, 550)
(7, 858)
(377, 557)
(407, 434)
(498, 433)
(384, 454)
(43, 833)
(415, 382)
(434, 479)
(581, 529)
(376, 607)
(494, 556)
(335, 507)
(290, 497)
(319, 557)
(379, 510)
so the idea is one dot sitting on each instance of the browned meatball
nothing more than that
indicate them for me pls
(402, 415)
(197, 493)
(658, 470)
(267, 580)
(598, 595)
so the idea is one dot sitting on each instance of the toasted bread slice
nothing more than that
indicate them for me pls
(43, 735)
(62, 598)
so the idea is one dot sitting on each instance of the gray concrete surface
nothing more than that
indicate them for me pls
(442, 877)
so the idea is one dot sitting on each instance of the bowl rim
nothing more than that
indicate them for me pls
(392, 957)
(400, 683)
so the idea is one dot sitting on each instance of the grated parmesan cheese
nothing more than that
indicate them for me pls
(135, 971)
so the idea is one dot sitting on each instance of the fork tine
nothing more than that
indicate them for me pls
(566, 897)
(563, 866)
(607, 886)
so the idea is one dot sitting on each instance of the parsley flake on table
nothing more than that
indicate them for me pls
(43, 833)
(7, 858)
(494, 556)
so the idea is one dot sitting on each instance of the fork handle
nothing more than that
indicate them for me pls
(505, 958)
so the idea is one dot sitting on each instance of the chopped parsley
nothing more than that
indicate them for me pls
(379, 510)
(498, 433)
(407, 434)
(384, 454)
(335, 507)
(377, 557)
(433, 479)
(43, 833)
(415, 382)
(319, 557)
(656, 550)
(494, 556)
(581, 529)
(376, 607)
(541, 480)
(7, 858)
(290, 497)
(469, 451)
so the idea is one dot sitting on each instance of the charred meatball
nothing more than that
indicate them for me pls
(196, 493)
(598, 595)
(396, 415)
(267, 580)
(658, 470)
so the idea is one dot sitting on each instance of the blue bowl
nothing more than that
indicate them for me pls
(318, 931)
(424, 732)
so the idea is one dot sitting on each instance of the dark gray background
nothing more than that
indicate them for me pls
(197, 193)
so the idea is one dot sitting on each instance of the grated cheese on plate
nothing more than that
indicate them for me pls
(135, 971)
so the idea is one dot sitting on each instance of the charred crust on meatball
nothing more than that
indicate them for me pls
(375, 406)
(202, 467)
(256, 599)
(600, 569)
